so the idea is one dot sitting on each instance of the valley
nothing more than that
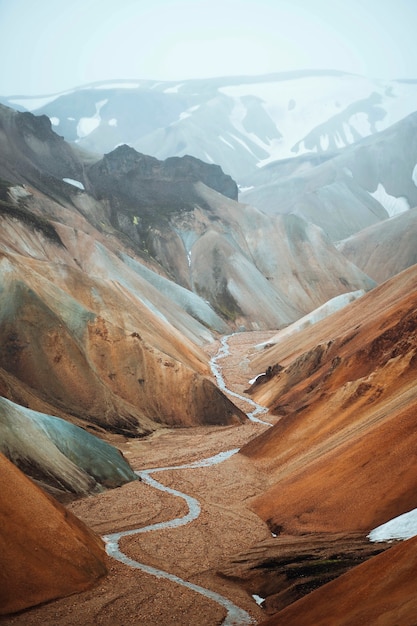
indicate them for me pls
(208, 356)
(194, 551)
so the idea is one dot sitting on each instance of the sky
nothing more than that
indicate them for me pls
(50, 46)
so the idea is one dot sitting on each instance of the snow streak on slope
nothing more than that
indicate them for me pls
(401, 527)
(392, 205)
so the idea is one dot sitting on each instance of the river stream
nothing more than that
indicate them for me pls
(235, 616)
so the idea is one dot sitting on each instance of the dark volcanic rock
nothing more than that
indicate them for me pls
(147, 185)
(32, 153)
(284, 569)
(380, 591)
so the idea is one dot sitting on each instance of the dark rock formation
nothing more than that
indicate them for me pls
(151, 191)
(383, 590)
(31, 152)
(283, 569)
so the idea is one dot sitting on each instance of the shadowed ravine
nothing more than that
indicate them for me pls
(235, 615)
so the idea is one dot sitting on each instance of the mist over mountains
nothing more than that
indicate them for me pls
(239, 123)
(140, 222)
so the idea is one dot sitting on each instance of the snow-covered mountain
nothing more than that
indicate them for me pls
(239, 123)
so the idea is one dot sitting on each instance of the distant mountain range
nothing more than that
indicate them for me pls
(240, 123)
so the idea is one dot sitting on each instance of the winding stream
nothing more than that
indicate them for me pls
(235, 616)
(221, 354)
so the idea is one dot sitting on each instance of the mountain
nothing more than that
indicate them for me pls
(336, 149)
(338, 462)
(46, 552)
(165, 218)
(384, 249)
(62, 458)
(239, 123)
(346, 396)
(161, 222)
(343, 193)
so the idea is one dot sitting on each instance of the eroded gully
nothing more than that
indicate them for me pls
(235, 616)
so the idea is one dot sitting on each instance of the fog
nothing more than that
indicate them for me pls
(55, 45)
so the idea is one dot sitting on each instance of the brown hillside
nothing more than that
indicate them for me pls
(342, 456)
(45, 551)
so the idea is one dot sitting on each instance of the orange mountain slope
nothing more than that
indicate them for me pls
(342, 458)
(45, 551)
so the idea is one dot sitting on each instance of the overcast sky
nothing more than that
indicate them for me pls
(48, 46)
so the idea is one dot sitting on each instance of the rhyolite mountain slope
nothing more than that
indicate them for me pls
(237, 122)
(386, 248)
(61, 457)
(339, 461)
(88, 332)
(340, 458)
(116, 271)
(46, 552)
(234, 262)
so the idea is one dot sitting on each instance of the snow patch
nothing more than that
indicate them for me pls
(54, 121)
(253, 380)
(339, 141)
(257, 599)
(360, 122)
(86, 125)
(227, 142)
(323, 311)
(324, 142)
(414, 175)
(244, 145)
(75, 183)
(174, 89)
(113, 122)
(392, 205)
(19, 192)
(188, 112)
(402, 527)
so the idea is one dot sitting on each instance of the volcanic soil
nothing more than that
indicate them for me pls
(194, 552)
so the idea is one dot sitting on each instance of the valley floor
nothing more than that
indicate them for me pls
(193, 552)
